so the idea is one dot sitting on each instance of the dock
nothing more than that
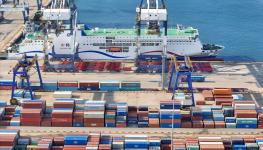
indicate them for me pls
(11, 27)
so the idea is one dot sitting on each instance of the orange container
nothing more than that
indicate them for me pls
(222, 91)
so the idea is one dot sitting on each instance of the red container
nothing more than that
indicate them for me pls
(74, 147)
(31, 113)
(66, 84)
(246, 113)
(58, 141)
(5, 123)
(34, 104)
(220, 124)
(6, 87)
(64, 104)
(186, 124)
(57, 147)
(197, 124)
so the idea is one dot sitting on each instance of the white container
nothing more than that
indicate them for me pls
(62, 94)
(245, 106)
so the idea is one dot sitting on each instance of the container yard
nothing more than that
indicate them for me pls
(67, 86)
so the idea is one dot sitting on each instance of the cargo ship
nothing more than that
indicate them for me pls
(116, 44)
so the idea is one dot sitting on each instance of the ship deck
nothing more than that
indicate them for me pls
(187, 32)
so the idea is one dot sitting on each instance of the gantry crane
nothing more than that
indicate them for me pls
(177, 71)
(153, 13)
(21, 70)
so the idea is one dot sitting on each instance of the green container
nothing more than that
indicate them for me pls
(231, 125)
(246, 120)
(21, 147)
(192, 147)
(252, 146)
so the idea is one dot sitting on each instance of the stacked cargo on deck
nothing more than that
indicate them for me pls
(122, 112)
(94, 113)
(246, 114)
(62, 114)
(154, 121)
(223, 96)
(94, 141)
(143, 119)
(170, 114)
(8, 139)
(118, 142)
(105, 142)
(50, 86)
(132, 120)
(260, 120)
(110, 115)
(6, 84)
(31, 113)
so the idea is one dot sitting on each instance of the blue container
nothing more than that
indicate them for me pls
(78, 124)
(237, 141)
(3, 103)
(6, 83)
(153, 115)
(23, 141)
(75, 140)
(154, 143)
(136, 144)
(239, 147)
(198, 78)
(170, 116)
(170, 106)
(68, 88)
(110, 125)
(169, 125)
(230, 120)
(247, 126)
(50, 86)
(166, 141)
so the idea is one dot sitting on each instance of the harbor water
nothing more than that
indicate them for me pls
(235, 24)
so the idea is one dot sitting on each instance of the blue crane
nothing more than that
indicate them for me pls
(21, 70)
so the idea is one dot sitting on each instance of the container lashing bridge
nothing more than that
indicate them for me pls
(22, 70)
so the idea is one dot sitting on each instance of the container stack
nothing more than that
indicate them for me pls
(207, 116)
(89, 85)
(75, 142)
(197, 117)
(179, 144)
(122, 113)
(208, 143)
(105, 142)
(45, 143)
(143, 119)
(166, 143)
(246, 114)
(6, 84)
(8, 139)
(31, 113)
(260, 120)
(110, 115)
(223, 96)
(130, 85)
(62, 113)
(186, 119)
(110, 86)
(192, 143)
(136, 142)
(208, 97)
(154, 143)
(94, 113)
(154, 115)
(118, 142)
(219, 118)
(67, 85)
(94, 141)
(78, 118)
(170, 114)
(132, 116)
